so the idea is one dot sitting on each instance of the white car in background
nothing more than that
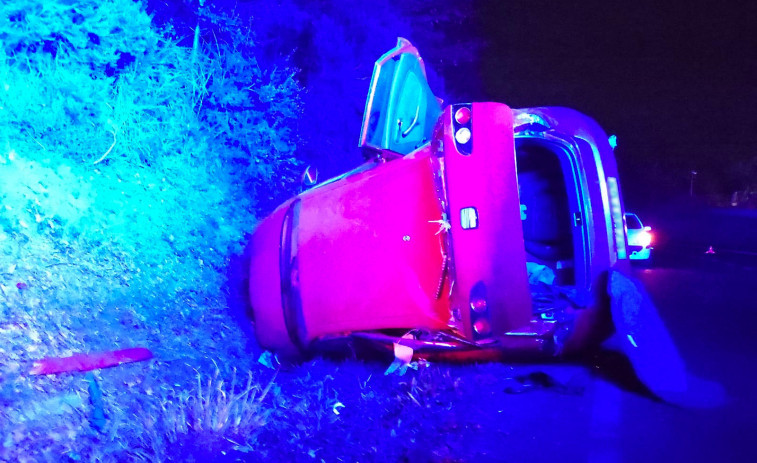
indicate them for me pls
(639, 238)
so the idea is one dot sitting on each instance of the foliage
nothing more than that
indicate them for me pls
(134, 156)
(329, 47)
(84, 78)
(337, 43)
(334, 46)
(131, 168)
(108, 148)
(249, 112)
(743, 175)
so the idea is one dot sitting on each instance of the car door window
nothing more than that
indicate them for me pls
(400, 110)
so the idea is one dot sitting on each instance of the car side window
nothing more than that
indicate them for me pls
(632, 222)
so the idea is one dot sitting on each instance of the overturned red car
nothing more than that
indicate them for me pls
(474, 231)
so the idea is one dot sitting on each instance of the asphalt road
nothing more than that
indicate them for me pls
(709, 305)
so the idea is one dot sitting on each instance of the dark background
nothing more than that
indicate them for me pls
(675, 81)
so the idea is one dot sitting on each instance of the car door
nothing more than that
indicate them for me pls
(472, 154)
(401, 109)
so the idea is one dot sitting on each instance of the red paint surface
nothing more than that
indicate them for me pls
(87, 362)
(494, 252)
(368, 251)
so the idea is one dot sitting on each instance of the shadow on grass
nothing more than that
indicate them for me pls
(237, 291)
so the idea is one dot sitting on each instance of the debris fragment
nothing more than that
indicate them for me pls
(268, 359)
(87, 362)
(336, 407)
(403, 355)
(403, 358)
(538, 273)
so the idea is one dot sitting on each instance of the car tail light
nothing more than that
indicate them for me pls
(482, 327)
(462, 115)
(462, 135)
(461, 126)
(479, 311)
(478, 305)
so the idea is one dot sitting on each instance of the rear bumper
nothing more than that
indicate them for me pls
(640, 253)
(265, 284)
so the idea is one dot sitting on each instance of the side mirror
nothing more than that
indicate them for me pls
(309, 177)
(647, 228)
(613, 140)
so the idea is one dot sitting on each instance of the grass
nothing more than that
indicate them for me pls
(201, 400)
(149, 406)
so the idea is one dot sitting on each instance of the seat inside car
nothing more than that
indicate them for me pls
(546, 214)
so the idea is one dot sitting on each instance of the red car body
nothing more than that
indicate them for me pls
(480, 229)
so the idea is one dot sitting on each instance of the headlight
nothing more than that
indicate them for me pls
(646, 238)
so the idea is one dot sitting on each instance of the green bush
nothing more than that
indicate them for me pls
(131, 168)
(133, 150)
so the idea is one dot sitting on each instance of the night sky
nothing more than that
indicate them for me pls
(676, 84)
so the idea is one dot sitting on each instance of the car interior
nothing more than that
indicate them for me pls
(545, 209)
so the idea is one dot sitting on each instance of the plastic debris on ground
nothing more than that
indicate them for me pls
(268, 359)
(336, 407)
(403, 358)
(87, 362)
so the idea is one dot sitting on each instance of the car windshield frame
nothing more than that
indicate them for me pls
(633, 222)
